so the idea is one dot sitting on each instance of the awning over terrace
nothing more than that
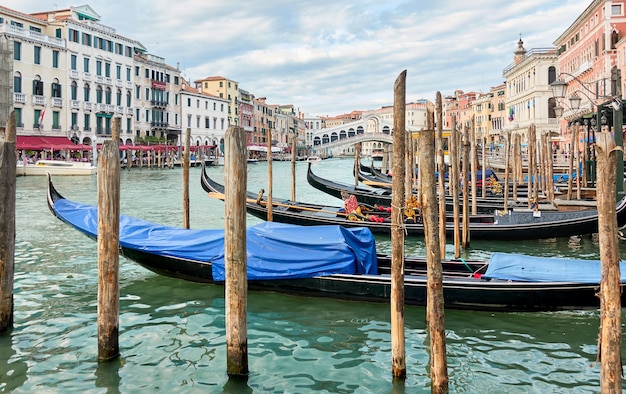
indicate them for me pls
(31, 142)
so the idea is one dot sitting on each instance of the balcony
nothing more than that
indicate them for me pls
(119, 110)
(87, 129)
(119, 83)
(32, 35)
(159, 125)
(19, 125)
(73, 74)
(39, 100)
(110, 108)
(129, 84)
(108, 81)
(129, 111)
(56, 127)
(99, 79)
(88, 106)
(75, 104)
(158, 103)
(19, 98)
(57, 102)
(101, 107)
(87, 77)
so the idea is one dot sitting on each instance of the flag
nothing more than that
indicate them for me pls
(40, 124)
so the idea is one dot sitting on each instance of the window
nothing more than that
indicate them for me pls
(86, 121)
(37, 55)
(56, 89)
(147, 94)
(17, 82)
(107, 96)
(37, 87)
(128, 73)
(128, 99)
(74, 91)
(147, 116)
(118, 72)
(128, 125)
(188, 120)
(207, 122)
(18, 117)
(136, 71)
(119, 97)
(17, 50)
(73, 60)
(198, 121)
(86, 64)
(55, 59)
(99, 94)
(74, 120)
(55, 120)
(98, 67)
(138, 92)
(57, 32)
(107, 70)
(73, 35)
(86, 92)
(616, 10)
(137, 114)
(86, 39)
(37, 115)
(17, 24)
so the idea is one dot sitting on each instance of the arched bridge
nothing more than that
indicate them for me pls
(368, 128)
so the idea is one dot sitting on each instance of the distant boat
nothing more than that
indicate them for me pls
(55, 167)
(313, 159)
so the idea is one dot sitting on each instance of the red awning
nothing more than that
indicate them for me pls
(33, 142)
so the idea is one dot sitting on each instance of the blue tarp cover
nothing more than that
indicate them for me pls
(274, 250)
(517, 267)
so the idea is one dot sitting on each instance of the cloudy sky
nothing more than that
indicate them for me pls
(329, 57)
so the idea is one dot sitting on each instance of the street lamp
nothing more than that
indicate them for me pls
(559, 89)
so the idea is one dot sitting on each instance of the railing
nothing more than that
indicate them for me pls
(39, 100)
(74, 104)
(351, 140)
(57, 102)
(88, 106)
(32, 35)
(19, 98)
(74, 74)
(87, 77)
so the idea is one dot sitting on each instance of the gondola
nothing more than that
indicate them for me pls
(295, 260)
(382, 196)
(508, 225)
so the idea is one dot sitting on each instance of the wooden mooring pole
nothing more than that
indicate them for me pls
(236, 285)
(186, 223)
(610, 338)
(441, 168)
(108, 246)
(435, 302)
(293, 167)
(398, 352)
(7, 223)
(270, 177)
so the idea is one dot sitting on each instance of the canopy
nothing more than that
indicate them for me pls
(517, 267)
(33, 142)
(274, 250)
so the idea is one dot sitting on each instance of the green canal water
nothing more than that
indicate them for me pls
(172, 332)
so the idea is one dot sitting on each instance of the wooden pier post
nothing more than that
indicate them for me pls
(507, 155)
(108, 246)
(186, 216)
(398, 351)
(270, 180)
(236, 285)
(465, 236)
(441, 168)
(293, 167)
(357, 165)
(474, 167)
(435, 301)
(453, 185)
(7, 223)
(610, 337)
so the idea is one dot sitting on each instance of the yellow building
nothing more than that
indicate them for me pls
(224, 88)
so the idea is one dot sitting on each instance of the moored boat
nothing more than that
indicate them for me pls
(55, 167)
(508, 225)
(295, 260)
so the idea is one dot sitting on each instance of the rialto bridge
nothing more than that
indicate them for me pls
(372, 131)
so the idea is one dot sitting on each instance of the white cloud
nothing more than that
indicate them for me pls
(329, 57)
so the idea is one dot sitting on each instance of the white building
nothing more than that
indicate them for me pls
(205, 115)
(529, 97)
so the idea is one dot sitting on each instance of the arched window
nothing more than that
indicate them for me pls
(56, 88)
(551, 74)
(74, 90)
(17, 82)
(86, 91)
(99, 94)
